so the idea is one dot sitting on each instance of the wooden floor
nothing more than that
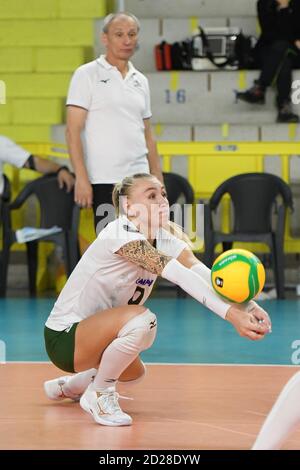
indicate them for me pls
(175, 407)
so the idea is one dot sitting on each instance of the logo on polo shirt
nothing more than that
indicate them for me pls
(104, 81)
(136, 83)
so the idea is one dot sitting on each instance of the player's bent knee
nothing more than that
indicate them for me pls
(142, 330)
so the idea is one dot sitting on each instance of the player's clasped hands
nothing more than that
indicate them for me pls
(250, 320)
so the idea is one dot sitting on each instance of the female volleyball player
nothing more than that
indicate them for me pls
(99, 324)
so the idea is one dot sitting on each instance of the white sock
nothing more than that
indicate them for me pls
(136, 336)
(78, 383)
(282, 419)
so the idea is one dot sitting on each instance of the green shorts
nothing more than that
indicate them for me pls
(60, 346)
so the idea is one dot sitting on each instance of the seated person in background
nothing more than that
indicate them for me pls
(15, 155)
(278, 52)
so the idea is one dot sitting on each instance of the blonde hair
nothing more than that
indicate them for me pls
(124, 188)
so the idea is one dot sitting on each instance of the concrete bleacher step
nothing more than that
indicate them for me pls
(50, 9)
(206, 98)
(82, 8)
(40, 111)
(162, 132)
(249, 25)
(176, 93)
(180, 8)
(32, 9)
(280, 132)
(61, 59)
(6, 113)
(166, 132)
(36, 85)
(16, 59)
(36, 111)
(73, 32)
(227, 132)
(26, 133)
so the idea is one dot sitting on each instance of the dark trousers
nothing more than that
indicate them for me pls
(277, 62)
(103, 209)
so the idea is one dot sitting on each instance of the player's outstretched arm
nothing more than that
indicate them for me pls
(141, 252)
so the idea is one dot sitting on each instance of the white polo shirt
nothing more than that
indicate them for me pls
(104, 279)
(11, 153)
(114, 131)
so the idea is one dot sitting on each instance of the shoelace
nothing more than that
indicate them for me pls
(61, 383)
(109, 402)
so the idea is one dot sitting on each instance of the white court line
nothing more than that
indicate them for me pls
(217, 365)
(212, 426)
(255, 413)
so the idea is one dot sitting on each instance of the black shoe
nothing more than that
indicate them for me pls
(285, 114)
(255, 95)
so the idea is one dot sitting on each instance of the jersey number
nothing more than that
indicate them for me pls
(136, 301)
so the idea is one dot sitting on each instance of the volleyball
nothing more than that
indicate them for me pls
(238, 275)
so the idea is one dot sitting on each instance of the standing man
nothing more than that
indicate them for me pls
(109, 99)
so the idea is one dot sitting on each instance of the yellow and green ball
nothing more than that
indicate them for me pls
(238, 275)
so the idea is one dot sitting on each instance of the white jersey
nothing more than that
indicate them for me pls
(103, 279)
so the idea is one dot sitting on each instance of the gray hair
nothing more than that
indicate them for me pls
(112, 16)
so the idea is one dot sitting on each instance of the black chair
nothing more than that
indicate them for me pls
(57, 207)
(258, 216)
(4, 199)
(177, 186)
(5, 195)
(180, 192)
